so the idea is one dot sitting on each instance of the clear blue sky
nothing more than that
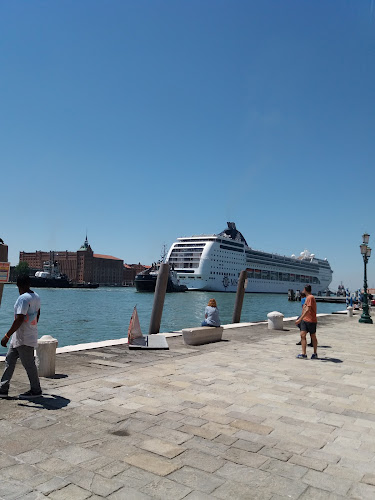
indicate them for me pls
(142, 121)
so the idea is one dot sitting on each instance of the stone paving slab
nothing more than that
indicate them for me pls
(242, 418)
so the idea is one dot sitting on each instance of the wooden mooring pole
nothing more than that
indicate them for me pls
(3, 258)
(160, 290)
(241, 285)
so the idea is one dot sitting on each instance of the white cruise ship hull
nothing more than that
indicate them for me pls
(214, 262)
(252, 286)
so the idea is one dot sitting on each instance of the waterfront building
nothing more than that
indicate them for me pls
(131, 271)
(82, 266)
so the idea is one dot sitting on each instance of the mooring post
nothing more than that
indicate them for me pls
(157, 308)
(239, 296)
(3, 258)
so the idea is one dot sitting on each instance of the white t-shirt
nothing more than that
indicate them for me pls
(27, 304)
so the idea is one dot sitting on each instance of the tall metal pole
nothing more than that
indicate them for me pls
(241, 285)
(160, 290)
(365, 317)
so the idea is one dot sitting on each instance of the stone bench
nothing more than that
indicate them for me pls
(202, 335)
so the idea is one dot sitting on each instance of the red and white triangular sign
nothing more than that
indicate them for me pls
(134, 330)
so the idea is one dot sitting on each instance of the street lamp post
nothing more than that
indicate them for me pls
(366, 253)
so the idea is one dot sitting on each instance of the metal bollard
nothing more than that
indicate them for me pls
(46, 356)
(160, 290)
(349, 311)
(275, 320)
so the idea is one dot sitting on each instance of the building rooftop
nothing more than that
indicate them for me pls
(101, 256)
(85, 245)
(131, 266)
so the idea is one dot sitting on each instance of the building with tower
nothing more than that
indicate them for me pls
(82, 266)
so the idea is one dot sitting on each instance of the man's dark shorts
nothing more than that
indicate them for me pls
(306, 326)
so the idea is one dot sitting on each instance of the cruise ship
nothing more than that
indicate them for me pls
(214, 262)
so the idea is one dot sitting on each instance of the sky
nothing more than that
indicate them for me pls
(143, 121)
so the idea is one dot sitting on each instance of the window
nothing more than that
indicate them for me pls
(232, 249)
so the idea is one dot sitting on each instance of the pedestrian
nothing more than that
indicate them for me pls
(24, 338)
(308, 322)
(211, 314)
(303, 300)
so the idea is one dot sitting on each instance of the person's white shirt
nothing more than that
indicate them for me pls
(27, 304)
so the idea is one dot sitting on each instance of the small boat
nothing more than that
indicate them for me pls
(51, 277)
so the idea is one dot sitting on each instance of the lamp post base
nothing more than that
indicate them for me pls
(365, 318)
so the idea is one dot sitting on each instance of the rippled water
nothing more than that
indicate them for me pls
(76, 316)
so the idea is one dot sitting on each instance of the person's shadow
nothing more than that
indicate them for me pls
(47, 402)
(331, 360)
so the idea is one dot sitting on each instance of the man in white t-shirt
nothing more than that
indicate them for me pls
(24, 333)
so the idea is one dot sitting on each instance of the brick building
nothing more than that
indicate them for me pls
(107, 269)
(82, 266)
(130, 272)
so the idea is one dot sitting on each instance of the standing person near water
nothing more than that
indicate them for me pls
(211, 314)
(307, 322)
(303, 300)
(24, 333)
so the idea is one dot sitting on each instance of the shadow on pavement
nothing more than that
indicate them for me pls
(47, 402)
(332, 360)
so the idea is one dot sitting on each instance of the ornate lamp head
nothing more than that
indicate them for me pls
(365, 238)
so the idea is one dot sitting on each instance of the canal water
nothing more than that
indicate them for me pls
(75, 316)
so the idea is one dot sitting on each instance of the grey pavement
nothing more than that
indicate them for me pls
(238, 419)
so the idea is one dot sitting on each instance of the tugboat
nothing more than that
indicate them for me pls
(146, 280)
(51, 277)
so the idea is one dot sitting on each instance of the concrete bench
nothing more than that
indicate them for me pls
(202, 335)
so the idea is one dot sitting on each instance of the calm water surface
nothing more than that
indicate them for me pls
(79, 316)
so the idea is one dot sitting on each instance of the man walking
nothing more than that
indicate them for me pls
(24, 333)
(308, 324)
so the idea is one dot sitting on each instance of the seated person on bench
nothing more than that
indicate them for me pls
(211, 314)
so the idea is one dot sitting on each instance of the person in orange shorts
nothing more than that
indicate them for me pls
(308, 322)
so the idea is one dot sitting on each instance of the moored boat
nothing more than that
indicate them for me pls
(213, 262)
(51, 277)
(146, 281)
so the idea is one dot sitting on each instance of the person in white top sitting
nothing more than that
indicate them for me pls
(211, 314)
(24, 333)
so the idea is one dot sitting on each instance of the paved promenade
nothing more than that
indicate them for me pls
(239, 419)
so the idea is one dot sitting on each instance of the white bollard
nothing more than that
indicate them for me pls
(46, 356)
(275, 320)
(349, 311)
